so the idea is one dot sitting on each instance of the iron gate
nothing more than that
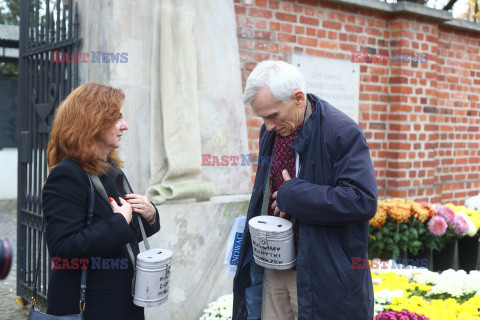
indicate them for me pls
(43, 83)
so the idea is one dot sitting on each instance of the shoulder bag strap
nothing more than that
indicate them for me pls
(83, 282)
(99, 186)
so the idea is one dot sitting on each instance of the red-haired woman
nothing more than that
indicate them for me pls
(86, 131)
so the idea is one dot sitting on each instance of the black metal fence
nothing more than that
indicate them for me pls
(43, 83)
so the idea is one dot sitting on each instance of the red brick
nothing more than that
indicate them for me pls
(250, 66)
(309, 11)
(243, 32)
(353, 28)
(396, 80)
(274, 4)
(299, 29)
(261, 56)
(348, 47)
(287, 7)
(321, 33)
(240, 9)
(286, 37)
(261, 3)
(255, 123)
(332, 35)
(327, 44)
(275, 26)
(309, 20)
(401, 89)
(373, 32)
(255, 12)
(261, 24)
(297, 8)
(286, 27)
(286, 17)
(332, 25)
(309, 2)
(259, 34)
(261, 46)
(311, 32)
(286, 49)
(307, 41)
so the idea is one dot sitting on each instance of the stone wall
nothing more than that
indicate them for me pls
(421, 119)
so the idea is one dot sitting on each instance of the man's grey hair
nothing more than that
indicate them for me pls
(282, 78)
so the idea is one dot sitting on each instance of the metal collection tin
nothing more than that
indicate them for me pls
(151, 277)
(272, 242)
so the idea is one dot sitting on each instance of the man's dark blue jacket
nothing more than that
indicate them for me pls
(333, 198)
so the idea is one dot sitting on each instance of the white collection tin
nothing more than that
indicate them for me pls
(152, 276)
(273, 242)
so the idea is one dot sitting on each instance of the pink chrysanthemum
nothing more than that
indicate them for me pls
(446, 213)
(437, 226)
(400, 315)
(460, 225)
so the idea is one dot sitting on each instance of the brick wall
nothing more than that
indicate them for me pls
(421, 120)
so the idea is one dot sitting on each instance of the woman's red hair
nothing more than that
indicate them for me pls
(81, 117)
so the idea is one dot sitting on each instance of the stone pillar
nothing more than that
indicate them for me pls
(222, 113)
(123, 27)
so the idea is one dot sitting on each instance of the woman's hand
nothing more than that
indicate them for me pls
(125, 209)
(143, 206)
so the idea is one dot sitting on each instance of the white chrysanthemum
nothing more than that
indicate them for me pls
(456, 283)
(385, 296)
(221, 309)
(473, 202)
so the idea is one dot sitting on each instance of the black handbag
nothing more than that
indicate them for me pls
(37, 315)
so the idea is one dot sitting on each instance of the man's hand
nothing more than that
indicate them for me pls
(276, 210)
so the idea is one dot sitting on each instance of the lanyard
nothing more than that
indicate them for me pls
(266, 194)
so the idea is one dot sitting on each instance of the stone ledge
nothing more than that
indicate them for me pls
(196, 233)
(462, 24)
(444, 17)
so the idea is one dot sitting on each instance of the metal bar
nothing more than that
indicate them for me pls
(47, 38)
(57, 38)
(69, 71)
(75, 46)
(64, 24)
(34, 250)
(34, 129)
(21, 174)
(29, 254)
(45, 266)
(37, 20)
(70, 19)
(50, 47)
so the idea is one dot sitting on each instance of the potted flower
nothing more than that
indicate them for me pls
(396, 228)
(454, 226)
(468, 244)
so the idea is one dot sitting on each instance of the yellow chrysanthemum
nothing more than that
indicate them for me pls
(379, 218)
(420, 213)
(438, 309)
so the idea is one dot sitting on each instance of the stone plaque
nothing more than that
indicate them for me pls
(333, 80)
